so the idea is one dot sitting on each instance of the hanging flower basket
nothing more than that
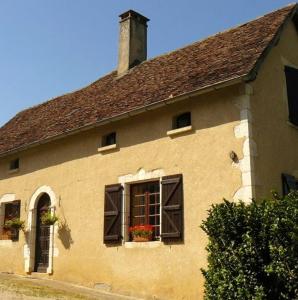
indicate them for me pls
(141, 233)
(48, 219)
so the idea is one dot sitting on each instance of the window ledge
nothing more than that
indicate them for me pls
(6, 243)
(107, 148)
(13, 171)
(179, 130)
(147, 245)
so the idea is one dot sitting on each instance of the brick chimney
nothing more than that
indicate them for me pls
(132, 41)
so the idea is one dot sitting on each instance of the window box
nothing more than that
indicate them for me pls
(141, 233)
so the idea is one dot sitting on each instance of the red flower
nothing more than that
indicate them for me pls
(146, 227)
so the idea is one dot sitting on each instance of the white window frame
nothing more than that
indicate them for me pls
(126, 181)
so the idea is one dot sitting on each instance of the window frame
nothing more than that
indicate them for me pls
(287, 181)
(14, 165)
(104, 139)
(175, 120)
(14, 237)
(126, 214)
(146, 214)
(117, 210)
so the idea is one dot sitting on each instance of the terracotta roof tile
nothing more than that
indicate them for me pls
(221, 57)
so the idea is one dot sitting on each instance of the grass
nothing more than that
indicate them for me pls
(27, 288)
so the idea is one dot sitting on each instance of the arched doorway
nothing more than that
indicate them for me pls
(42, 238)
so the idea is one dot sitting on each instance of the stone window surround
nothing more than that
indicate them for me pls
(126, 181)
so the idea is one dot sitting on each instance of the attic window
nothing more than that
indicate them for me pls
(292, 84)
(109, 139)
(182, 120)
(14, 164)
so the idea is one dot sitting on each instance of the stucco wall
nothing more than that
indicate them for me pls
(276, 139)
(77, 174)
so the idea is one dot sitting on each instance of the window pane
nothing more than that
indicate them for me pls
(145, 205)
(182, 120)
(109, 139)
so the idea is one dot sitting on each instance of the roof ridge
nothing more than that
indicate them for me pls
(152, 59)
(294, 4)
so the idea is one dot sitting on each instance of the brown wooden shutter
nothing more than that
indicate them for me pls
(112, 213)
(172, 208)
(289, 183)
(292, 89)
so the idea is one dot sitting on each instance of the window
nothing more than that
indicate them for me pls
(159, 203)
(109, 139)
(292, 90)
(14, 164)
(145, 205)
(182, 120)
(289, 183)
(11, 211)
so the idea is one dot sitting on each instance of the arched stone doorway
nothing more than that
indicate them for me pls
(42, 196)
(42, 238)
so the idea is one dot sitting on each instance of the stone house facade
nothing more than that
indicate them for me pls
(155, 142)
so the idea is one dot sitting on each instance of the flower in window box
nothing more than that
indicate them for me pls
(141, 233)
(15, 223)
(48, 219)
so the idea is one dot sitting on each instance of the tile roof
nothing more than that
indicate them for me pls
(222, 57)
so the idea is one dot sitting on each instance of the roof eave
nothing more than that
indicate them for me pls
(170, 100)
(292, 16)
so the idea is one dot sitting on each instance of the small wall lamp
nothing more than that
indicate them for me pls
(234, 157)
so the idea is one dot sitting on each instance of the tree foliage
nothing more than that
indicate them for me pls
(253, 249)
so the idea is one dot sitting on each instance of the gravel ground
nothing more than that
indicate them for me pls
(14, 287)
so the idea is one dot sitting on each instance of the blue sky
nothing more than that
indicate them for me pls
(51, 47)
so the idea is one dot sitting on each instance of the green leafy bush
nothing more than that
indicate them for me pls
(253, 250)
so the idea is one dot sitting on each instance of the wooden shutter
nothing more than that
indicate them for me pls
(292, 89)
(289, 183)
(172, 208)
(112, 213)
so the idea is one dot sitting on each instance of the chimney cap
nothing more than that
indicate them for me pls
(133, 14)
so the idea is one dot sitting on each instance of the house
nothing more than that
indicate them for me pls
(155, 142)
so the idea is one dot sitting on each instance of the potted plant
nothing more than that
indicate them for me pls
(48, 219)
(14, 223)
(141, 233)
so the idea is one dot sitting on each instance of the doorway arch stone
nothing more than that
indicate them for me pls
(29, 248)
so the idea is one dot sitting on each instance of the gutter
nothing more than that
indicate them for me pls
(170, 100)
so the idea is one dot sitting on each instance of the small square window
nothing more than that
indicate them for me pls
(109, 139)
(14, 164)
(182, 120)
